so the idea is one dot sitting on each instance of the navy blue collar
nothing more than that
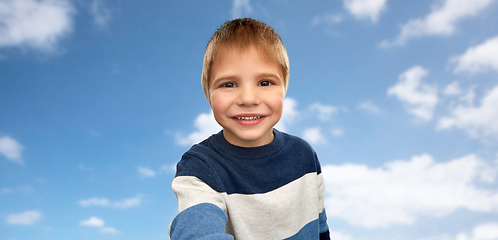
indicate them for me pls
(221, 144)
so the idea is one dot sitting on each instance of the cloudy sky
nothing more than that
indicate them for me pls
(100, 98)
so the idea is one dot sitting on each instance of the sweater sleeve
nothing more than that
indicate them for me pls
(201, 209)
(324, 228)
(322, 219)
(203, 221)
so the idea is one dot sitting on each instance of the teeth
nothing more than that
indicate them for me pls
(248, 118)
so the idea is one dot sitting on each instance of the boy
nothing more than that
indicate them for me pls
(249, 181)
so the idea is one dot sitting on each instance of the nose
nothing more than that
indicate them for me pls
(248, 96)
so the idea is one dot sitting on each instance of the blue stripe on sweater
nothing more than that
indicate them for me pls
(306, 232)
(324, 227)
(310, 229)
(203, 221)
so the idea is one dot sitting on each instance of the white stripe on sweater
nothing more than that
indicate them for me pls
(278, 214)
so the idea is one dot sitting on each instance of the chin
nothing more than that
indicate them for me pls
(253, 137)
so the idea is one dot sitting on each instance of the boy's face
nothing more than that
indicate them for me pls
(246, 94)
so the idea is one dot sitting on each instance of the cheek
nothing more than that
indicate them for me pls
(276, 104)
(219, 105)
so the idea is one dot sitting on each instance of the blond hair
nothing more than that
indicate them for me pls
(240, 34)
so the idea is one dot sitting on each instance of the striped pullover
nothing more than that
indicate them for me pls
(274, 191)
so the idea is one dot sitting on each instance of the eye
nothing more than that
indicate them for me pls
(228, 85)
(265, 83)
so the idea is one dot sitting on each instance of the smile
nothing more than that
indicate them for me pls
(248, 118)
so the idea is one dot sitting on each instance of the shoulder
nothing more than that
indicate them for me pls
(295, 139)
(200, 152)
(196, 160)
(299, 149)
(292, 142)
(202, 162)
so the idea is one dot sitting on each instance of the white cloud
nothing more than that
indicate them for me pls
(97, 222)
(6, 190)
(101, 15)
(339, 236)
(168, 168)
(104, 202)
(452, 89)
(419, 98)
(369, 106)
(486, 231)
(146, 172)
(94, 202)
(289, 114)
(440, 237)
(24, 218)
(464, 97)
(128, 203)
(314, 136)
(109, 230)
(470, 96)
(36, 24)
(241, 8)
(365, 9)
(338, 132)
(23, 189)
(441, 20)
(479, 121)
(205, 124)
(81, 166)
(327, 19)
(325, 112)
(400, 191)
(93, 222)
(479, 58)
(11, 149)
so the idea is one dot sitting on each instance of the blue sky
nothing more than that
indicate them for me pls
(100, 98)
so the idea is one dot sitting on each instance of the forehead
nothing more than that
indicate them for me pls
(230, 59)
(265, 51)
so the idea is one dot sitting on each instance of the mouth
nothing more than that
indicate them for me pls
(248, 118)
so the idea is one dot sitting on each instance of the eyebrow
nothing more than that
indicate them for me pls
(263, 75)
(225, 77)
